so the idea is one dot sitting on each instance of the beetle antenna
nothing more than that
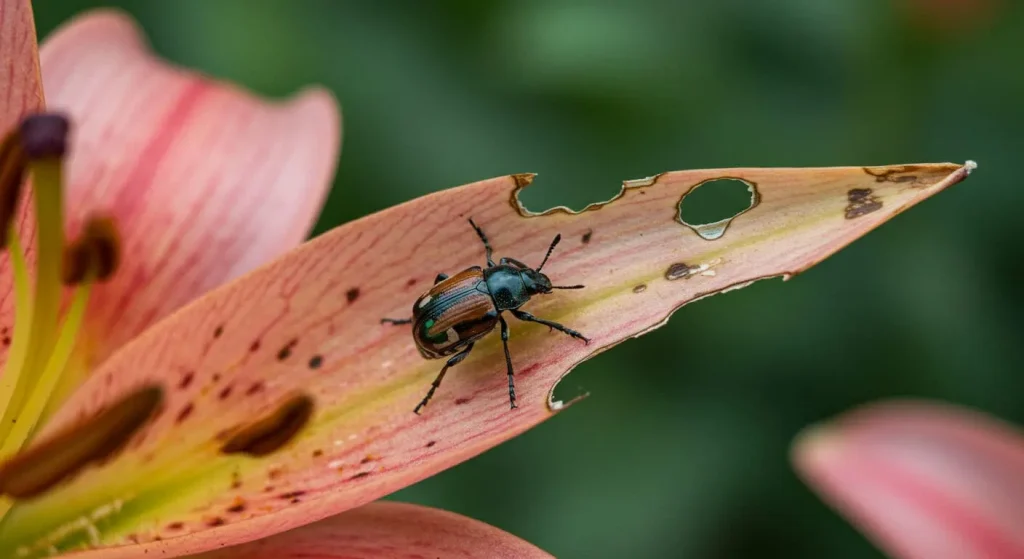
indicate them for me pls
(558, 237)
(567, 287)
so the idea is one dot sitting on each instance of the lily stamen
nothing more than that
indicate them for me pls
(43, 344)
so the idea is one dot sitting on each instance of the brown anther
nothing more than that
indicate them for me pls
(270, 433)
(44, 135)
(102, 234)
(75, 267)
(12, 176)
(95, 255)
(69, 450)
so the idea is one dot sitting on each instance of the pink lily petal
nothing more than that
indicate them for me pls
(924, 481)
(21, 92)
(387, 530)
(301, 338)
(20, 88)
(205, 181)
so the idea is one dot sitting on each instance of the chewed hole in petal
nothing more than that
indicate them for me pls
(709, 207)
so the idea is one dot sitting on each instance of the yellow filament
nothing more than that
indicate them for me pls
(28, 419)
(48, 178)
(19, 347)
(22, 326)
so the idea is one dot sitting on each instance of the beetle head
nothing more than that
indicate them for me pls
(535, 281)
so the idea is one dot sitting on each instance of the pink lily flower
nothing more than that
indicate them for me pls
(185, 376)
(922, 480)
(203, 182)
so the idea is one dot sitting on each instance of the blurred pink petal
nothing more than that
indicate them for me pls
(205, 181)
(386, 530)
(924, 481)
(20, 93)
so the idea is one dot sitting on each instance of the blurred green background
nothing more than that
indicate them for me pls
(681, 451)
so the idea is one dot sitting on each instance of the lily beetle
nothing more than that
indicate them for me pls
(459, 310)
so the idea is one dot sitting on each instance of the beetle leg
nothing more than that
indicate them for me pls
(440, 277)
(522, 315)
(455, 360)
(396, 321)
(487, 245)
(508, 362)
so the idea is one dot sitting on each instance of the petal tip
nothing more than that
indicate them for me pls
(112, 25)
(816, 447)
(320, 105)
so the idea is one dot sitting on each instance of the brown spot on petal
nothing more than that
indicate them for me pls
(186, 380)
(185, 412)
(237, 506)
(316, 361)
(431, 443)
(460, 401)
(586, 236)
(286, 351)
(352, 294)
(254, 346)
(640, 288)
(215, 521)
(677, 271)
(218, 331)
(66, 452)
(318, 453)
(291, 495)
(268, 434)
(411, 282)
(225, 392)
(369, 458)
(175, 526)
(255, 388)
(360, 475)
(862, 202)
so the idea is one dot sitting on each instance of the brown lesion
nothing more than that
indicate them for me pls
(184, 412)
(896, 173)
(286, 351)
(352, 294)
(237, 506)
(678, 270)
(862, 201)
